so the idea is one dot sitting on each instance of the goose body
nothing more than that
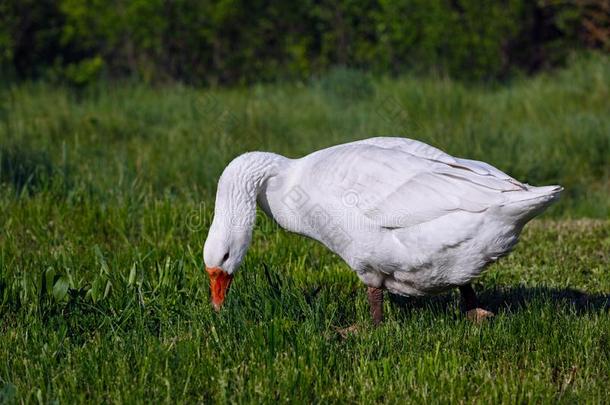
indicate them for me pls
(405, 216)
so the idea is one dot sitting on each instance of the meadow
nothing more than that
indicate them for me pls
(106, 194)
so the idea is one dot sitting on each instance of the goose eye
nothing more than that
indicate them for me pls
(225, 257)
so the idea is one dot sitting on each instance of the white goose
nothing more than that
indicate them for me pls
(405, 216)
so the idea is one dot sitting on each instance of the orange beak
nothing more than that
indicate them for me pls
(220, 281)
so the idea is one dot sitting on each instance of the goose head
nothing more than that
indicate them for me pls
(234, 217)
(223, 253)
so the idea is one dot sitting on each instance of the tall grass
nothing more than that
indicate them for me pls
(551, 129)
(106, 196)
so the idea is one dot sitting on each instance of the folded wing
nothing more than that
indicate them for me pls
(398, 183)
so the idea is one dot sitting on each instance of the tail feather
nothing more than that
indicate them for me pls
(536, 193)
(533, 201)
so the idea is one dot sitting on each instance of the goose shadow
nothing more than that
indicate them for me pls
(511, 300)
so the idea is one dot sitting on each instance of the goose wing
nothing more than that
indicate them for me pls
(425, 151)
(396, 187)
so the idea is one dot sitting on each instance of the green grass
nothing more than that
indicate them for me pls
(105, 199)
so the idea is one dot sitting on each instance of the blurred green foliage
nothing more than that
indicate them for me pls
(237, 41)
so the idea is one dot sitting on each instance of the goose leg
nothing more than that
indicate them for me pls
(473, 312)
(375, 296)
